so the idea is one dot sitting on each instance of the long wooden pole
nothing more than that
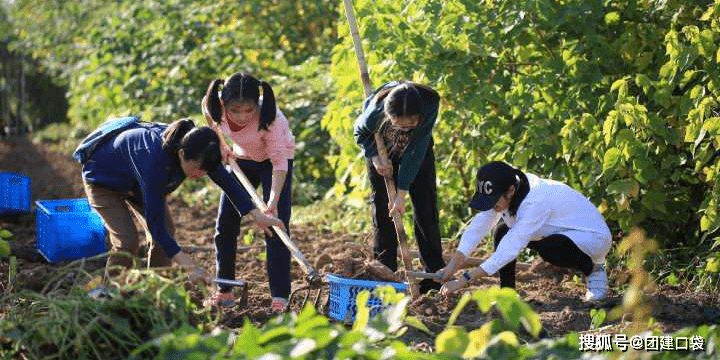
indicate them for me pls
(382, 152)
(364, 75)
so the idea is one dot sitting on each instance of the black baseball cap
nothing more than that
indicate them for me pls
(493, 179)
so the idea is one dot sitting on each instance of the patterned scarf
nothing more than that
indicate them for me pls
(396, 139)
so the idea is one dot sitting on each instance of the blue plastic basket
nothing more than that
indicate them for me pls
(343, 292)
(14, 194)
(68, 230)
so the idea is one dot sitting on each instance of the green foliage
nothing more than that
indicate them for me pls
(619, 99)
(157, 58)
(306, 335)
(199, 192)
(29, 97)
(597, 317)
(513, 311)
(6, 234)
(310, 335)
(76, 325)
(5, 250)
(335, 215)
(149, 316)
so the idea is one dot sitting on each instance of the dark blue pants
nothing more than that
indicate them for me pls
(227, 229)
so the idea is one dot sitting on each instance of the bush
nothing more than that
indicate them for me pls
(618, 99)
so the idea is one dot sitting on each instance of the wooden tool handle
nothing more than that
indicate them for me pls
(229, 282)
(200, 248)
(422, 275)
(397, 218)
(382, 152)
(260, 204)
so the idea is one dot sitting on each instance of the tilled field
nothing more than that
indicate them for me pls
(551, 291)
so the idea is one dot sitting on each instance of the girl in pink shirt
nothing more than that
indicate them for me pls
(263, 147)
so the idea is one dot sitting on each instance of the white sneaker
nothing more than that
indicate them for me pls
(597, 284)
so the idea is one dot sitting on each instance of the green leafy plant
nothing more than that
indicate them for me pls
(597, 317)
(310, 335)
(4, 249)
(5, 235)
(71, 323)
(618, 99)
(156, 58)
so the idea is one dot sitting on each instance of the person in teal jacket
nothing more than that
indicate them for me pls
(404, 113)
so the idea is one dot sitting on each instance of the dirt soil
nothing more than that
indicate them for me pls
(549, 290)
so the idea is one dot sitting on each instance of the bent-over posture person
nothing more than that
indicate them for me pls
(404, 113)
(563, 226)
(129, 167)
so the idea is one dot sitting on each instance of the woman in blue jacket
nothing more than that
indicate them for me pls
(404, 113)
(130, 166)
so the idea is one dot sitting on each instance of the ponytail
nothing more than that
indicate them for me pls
(244, 87)
(214, 106)
(522, 188)
(174, 134)
(202, 144)
(381, 95)
(268, 109)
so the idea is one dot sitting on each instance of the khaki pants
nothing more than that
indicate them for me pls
(115, 209)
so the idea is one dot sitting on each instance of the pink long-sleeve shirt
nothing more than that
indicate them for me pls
(276, 144)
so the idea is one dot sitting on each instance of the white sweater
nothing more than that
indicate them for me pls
(550, 207)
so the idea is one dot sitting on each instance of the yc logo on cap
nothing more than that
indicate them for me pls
(486, 187)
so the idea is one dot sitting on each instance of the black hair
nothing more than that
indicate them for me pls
(173, 135)
(522, 188)
(241, 87)
(405, 99)
(198, 143)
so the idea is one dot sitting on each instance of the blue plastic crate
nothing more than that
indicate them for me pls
(343, 292)
(68, 230)
(14, 194)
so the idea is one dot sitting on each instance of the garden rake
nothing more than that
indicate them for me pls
(311, 275)
(312, 278)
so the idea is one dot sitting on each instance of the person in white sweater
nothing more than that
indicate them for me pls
(561, 224)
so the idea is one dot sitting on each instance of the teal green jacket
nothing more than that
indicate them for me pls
(368, 122)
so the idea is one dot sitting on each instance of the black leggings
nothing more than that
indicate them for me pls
(556, 249)
(423, 194)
